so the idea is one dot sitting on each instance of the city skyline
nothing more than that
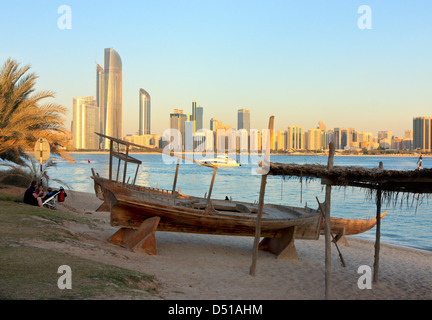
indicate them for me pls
(287, 59)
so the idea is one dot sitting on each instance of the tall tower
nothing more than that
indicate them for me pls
(113, 100)
(194, 110)
(144, 112)
(85, 123)
(100, 86)
(177, 121)
(422, 133)
(243, 119)
(199, 118)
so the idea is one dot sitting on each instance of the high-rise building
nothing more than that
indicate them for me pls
(316, 139)
(189, 129)
(214, 124)
(198, 118)
(281, 140)
(243, 119)
(85, 123)
(144, 112)
(113, 95)
(344, 137)
(295, 138)
(385, 139)
(422, 133)
(194, 110)
(177, 122)
(100, 86)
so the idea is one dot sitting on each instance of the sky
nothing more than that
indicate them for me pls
(301, 61)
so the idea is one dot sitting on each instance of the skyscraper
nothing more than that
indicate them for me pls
(422, 133)
(295, 138)
(243, 119)
(213, 124)
(198, 118)
(177, 121)
(144, 112)
(85, 123)
(100, 86)
(193, 110)
(113, 100)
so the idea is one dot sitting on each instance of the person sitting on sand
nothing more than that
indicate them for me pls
(33, 195)
(49, 194)
(38, 194)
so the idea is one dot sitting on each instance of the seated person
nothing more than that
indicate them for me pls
(48, 195)
(33, 195)
(28, 195)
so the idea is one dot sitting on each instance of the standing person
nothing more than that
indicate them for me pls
(419, 162)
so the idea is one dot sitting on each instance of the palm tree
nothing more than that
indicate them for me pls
(23, 116)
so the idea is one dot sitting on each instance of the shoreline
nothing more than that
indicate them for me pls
(215, 267)
(89, 195)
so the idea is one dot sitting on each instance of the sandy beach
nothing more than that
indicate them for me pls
(203, 267)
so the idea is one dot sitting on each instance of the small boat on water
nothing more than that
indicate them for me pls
(221, 161)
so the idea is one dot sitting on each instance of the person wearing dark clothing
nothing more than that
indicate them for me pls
(33, 195)
(49, 194)
(419, 162)
(28, 195)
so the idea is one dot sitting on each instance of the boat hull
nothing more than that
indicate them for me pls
(129, 208)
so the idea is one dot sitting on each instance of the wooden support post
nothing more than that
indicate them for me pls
(258, 225)
(211, 186)
(140, 240)
(110, 159)
(378, 235)
(334, 240)
(283, 247)
(125, 165)
(175, 177)
(327, 228)
(136, 173)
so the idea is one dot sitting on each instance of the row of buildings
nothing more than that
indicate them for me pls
(103, 113)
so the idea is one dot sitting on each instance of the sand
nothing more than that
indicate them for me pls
(210, 267)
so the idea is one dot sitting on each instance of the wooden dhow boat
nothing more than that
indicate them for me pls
(342, 227)
(140, 211)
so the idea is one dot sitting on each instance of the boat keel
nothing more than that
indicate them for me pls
(282, 246)
(139, 240)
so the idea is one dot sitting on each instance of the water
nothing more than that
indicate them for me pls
(406, 225)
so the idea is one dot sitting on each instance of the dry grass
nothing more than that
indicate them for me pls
(28, 272)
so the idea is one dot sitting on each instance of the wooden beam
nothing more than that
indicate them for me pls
(258, 227)
(378, 236)
(283, 247)
(125, 165)
(136, 173)
(261, 201)
(175, 177)
(110, 159)
(327, 228)
(211, 185)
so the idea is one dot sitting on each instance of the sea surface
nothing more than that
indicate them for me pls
(407, 224)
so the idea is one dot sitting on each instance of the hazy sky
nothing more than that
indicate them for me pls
(301, 61)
